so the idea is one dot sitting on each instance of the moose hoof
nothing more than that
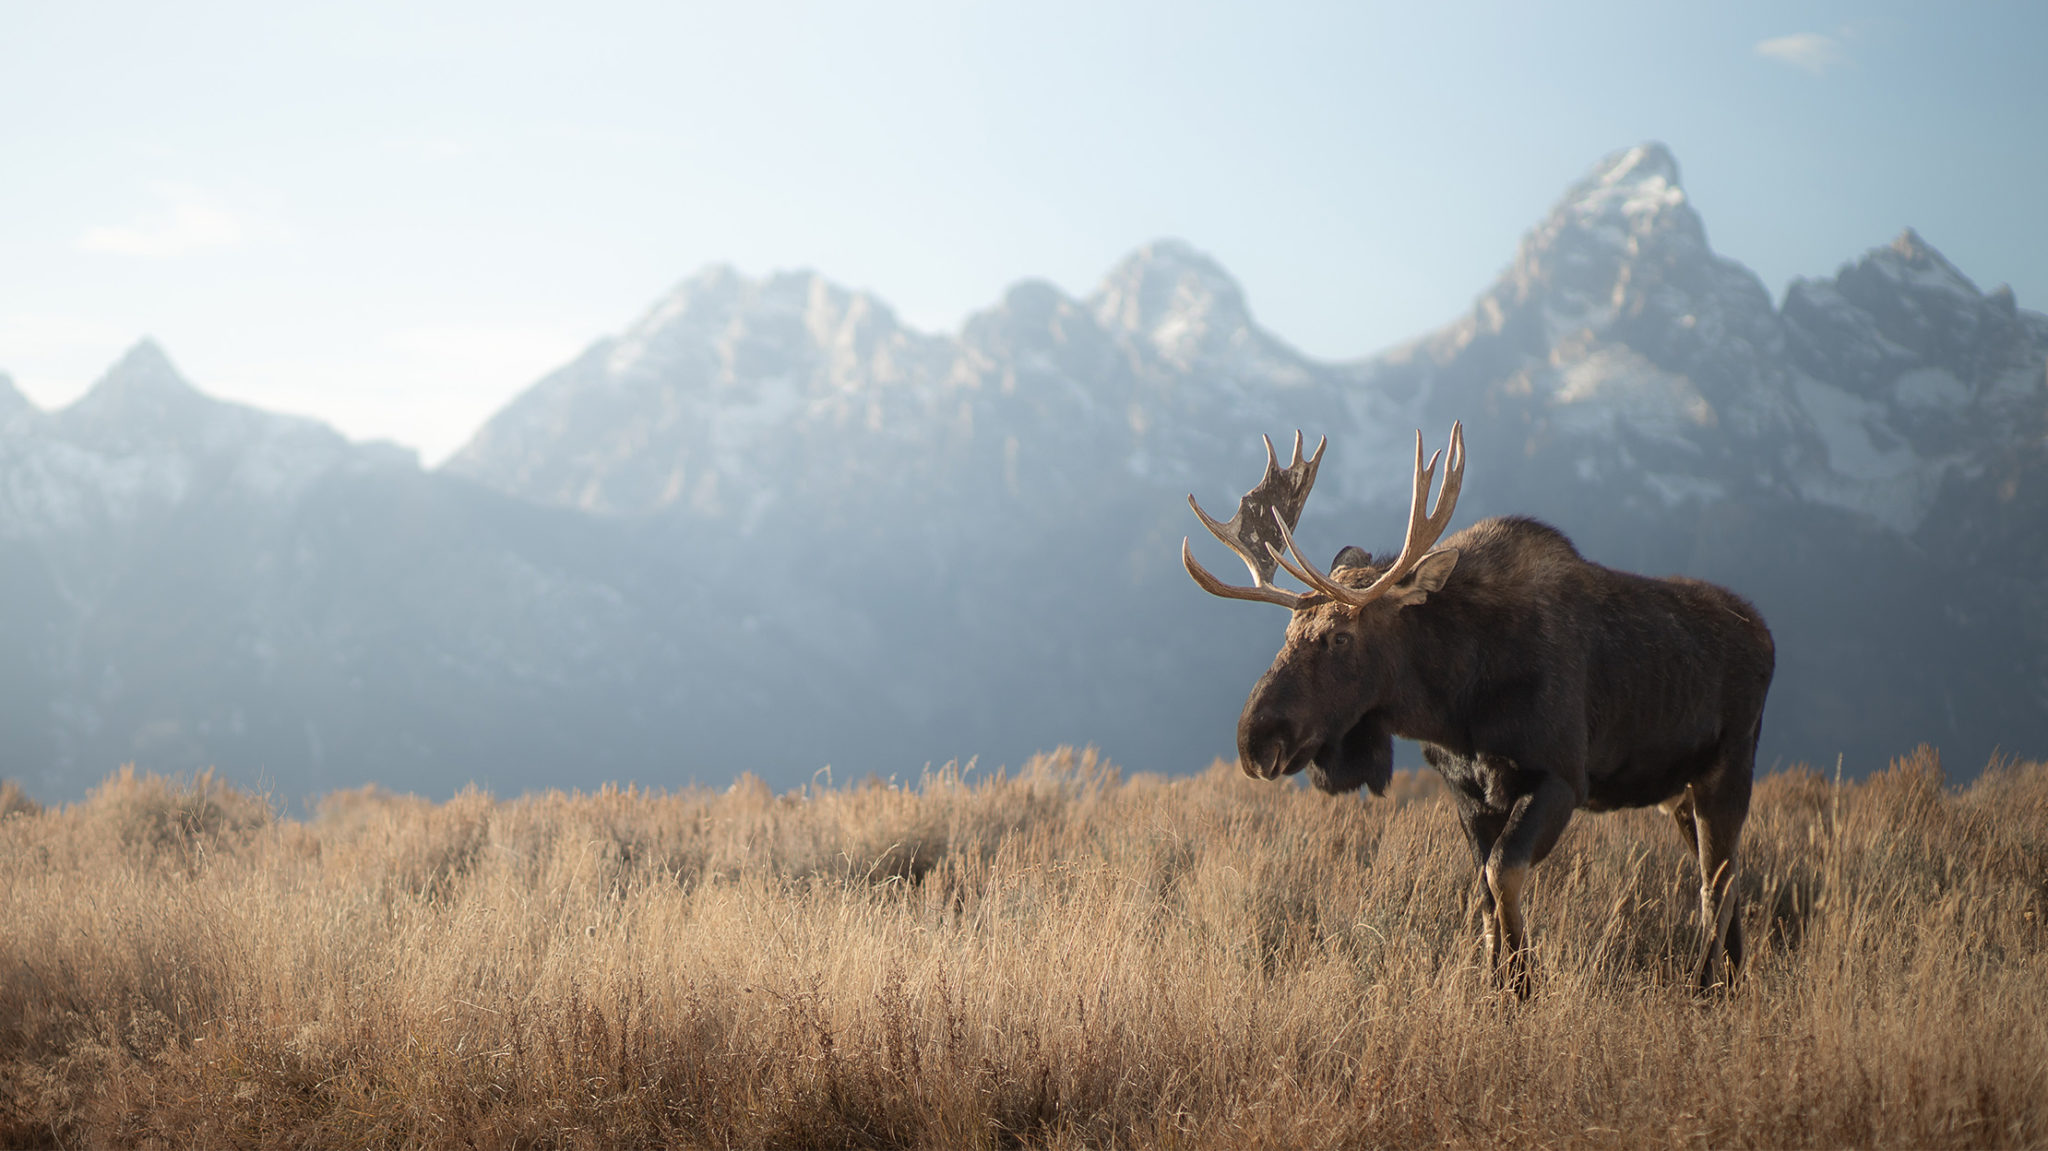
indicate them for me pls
(1510, 970)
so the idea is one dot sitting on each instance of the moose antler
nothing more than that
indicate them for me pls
(1275, 502)
(1423, 531)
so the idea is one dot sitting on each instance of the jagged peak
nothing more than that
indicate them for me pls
(1169, 261)
(720, 291)
(1167, 285)
(1636, 184)
(720, 301)
(144, 377)
(1031, 301)
(1628, 210)
(1034, 294)
(709, 286)
(11, 399)
(1920, 261)
(1169, 253)
(1914, 249)
(145, 364)
(1647, 161)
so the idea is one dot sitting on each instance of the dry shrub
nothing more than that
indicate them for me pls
(1056, 956)
(15, 801)
(404, 843)
(172, 819)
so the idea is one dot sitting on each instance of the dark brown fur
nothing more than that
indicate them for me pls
(1539, 683)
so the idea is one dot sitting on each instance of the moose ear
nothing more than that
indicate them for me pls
(1429, 575)
(1352, 556)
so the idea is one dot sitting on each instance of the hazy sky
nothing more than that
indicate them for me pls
(397, 216)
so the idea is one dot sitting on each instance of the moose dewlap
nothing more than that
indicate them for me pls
(1537, 681)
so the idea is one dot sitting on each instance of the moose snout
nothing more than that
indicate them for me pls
(1270, 744)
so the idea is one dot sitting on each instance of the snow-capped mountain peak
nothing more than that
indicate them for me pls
(1175, 299)
(1910, 258)
(1927, 309)
(1617, 322)
(720, 308)
(1910, 375)
(1636, 185)
(142, 387)
(1619, 232)
(722, 374)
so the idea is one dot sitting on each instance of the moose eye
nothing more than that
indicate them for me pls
(1340, 639)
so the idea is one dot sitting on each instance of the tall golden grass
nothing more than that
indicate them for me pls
(1057, 956)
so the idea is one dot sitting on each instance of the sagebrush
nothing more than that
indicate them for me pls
(1053, 956)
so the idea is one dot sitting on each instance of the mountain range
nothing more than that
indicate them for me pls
(770, 528)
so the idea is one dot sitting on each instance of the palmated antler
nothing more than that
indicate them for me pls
(1423, 531)
(1275, 503)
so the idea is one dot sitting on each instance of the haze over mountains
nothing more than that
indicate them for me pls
(769, 528)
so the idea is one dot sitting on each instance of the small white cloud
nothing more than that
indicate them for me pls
(1809, 51)
(187, 221)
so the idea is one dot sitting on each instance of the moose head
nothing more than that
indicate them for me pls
(1347, 662)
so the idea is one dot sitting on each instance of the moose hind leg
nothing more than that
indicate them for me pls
(1679, 808)
(1718, 815)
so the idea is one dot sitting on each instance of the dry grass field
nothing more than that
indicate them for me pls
(1057, 956)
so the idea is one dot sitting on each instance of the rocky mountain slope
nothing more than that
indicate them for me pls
(192, 582)
(768, 527)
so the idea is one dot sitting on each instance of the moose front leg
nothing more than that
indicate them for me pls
(1482, 829)
(1533, 826)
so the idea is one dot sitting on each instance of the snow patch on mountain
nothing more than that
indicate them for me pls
(60, 488)
(1599, 388)
(1930, 389)
(1868, 469)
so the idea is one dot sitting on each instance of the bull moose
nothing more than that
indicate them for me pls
(1537, 681)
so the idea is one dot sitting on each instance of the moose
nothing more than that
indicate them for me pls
(1537, 681)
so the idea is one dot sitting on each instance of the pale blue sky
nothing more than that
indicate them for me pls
(395, 221)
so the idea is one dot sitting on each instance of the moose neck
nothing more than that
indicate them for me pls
(1432, 654)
